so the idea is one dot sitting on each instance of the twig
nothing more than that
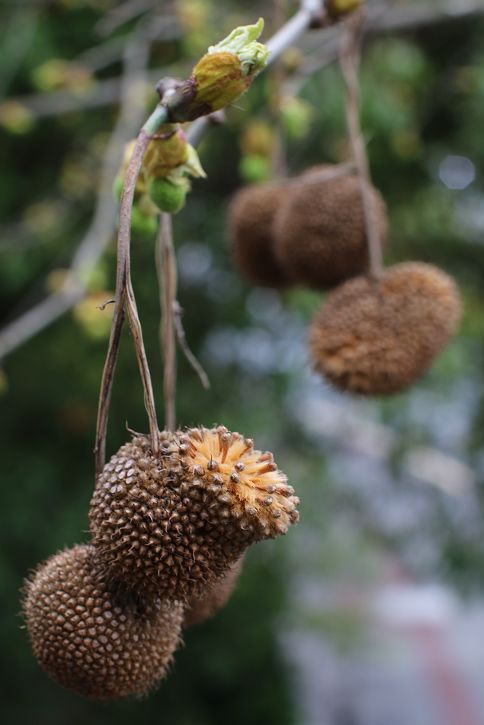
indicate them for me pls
(107, 92)
(162, 251)
(182, 341)
(125, 295)
(380, 18)
(166, 267)
(278, 155)
(349, 61)
(99, 233)
(122, 14)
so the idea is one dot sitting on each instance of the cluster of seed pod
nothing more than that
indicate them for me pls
(371, 336)
(169, 532)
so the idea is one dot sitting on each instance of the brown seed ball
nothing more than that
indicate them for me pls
(250, 218)
(172, 525)
(214, 598)
(378, 338)
(319, 231)
(101, 644)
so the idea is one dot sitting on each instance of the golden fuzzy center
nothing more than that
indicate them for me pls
(252, 483)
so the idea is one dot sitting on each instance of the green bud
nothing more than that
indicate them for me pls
(167, 196)
(243, 43)
(223, 74)
(118, 187)
(142, 226)
(254, 168)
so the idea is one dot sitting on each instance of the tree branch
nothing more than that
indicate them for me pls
(100, 231)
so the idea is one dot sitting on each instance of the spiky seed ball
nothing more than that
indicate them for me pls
(250, 218)
(174, 524)
(319, 231)
(101, 643)
(378, 338)
(213, 598)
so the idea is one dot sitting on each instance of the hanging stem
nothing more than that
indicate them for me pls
(168, 287)
(124, 294)
(349, 61)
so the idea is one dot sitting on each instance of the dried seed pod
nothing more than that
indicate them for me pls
(376, 338)
(207, 604)
(319, 231)
(101, 643)
(250, 219)
(172, 525)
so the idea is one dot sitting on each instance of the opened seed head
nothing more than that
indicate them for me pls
(174, 524)
(214, 598)
(250, 219)
(319, 230)
(378, 338)
(103, 644)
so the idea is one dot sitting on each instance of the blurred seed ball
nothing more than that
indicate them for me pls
(167, 196)
(319, 230)
(255, 169)
(16, 118)
(338, 8)
(142, 226)
(376, 338)
(250, 224)
(291, 60)
(57, 73)
(214, 598)
(297, 116)
(94, 316)
(103, 644)
(172, 525)
(257, 138)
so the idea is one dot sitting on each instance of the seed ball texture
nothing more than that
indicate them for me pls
(250, 217)
(319, 231)
(206, 605)
(174, 524)
(103, 644)
(376, 338)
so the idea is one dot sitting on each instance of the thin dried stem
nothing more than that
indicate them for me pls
(349, 61)
(182, 341)
(125, 295)
(165, 259)
(166, 266)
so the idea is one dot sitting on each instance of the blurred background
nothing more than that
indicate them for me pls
(371, 611)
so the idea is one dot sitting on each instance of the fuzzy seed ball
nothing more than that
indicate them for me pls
(214, 598)
(250, 219)
(378, 338)
(174, 524)
(101, 643)
(319, 231)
